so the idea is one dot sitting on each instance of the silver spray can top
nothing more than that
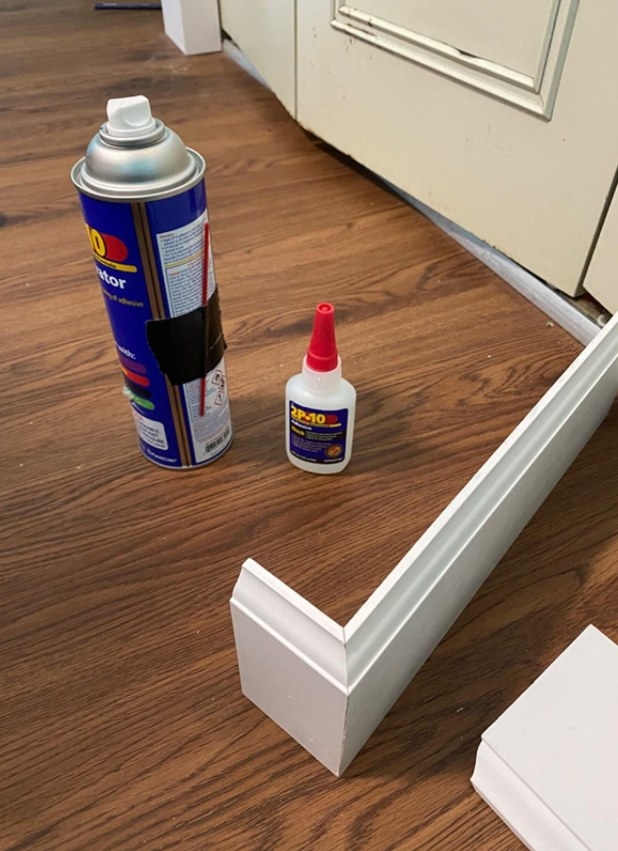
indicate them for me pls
(136, 157)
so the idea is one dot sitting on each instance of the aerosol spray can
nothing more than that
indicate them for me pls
(143, 198)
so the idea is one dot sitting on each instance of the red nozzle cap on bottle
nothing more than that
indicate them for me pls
(322, 351)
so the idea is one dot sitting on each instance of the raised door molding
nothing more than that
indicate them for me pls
(535, 93)
(330, 686)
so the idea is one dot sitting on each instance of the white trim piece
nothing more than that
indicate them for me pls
(292, 661)
(542, 830)
(555, 305)
(547, 765)
(329, 687)
(193, 25)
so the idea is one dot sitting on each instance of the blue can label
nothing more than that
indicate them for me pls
(149, 259)
(317, 436)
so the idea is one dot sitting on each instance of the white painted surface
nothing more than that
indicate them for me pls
(549, 765)
(602, 276)
(290, 653)
(193, 25)
(464, 135)
(546, 832)
(292, 663)
(265, 32)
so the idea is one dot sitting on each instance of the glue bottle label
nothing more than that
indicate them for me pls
(317, 436)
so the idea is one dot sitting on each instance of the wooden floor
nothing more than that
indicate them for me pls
(122, 725)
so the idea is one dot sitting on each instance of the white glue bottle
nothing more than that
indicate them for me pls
(320, 404)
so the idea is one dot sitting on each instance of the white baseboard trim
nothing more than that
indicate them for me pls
(547, 765)
(534, 824)
(193, 25)
(328, 686)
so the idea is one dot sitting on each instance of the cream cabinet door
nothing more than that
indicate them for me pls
(265, 31)
(500, 114)
(602, 277)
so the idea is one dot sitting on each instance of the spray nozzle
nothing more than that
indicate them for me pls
(322, 351)
(129, 118)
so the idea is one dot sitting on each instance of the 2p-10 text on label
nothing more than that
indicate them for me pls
(309, 417)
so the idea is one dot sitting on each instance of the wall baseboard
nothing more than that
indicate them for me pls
(193, 25)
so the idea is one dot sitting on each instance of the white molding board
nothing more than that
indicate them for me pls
(328, 686)
(547, 765)
(193, 25)
(534, 93)
(293, 662)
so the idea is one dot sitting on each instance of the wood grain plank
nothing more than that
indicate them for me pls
(121, 720)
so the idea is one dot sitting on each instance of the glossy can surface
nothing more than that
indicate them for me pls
(144, 204)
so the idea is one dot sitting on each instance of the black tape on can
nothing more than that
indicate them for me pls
(190, 346)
